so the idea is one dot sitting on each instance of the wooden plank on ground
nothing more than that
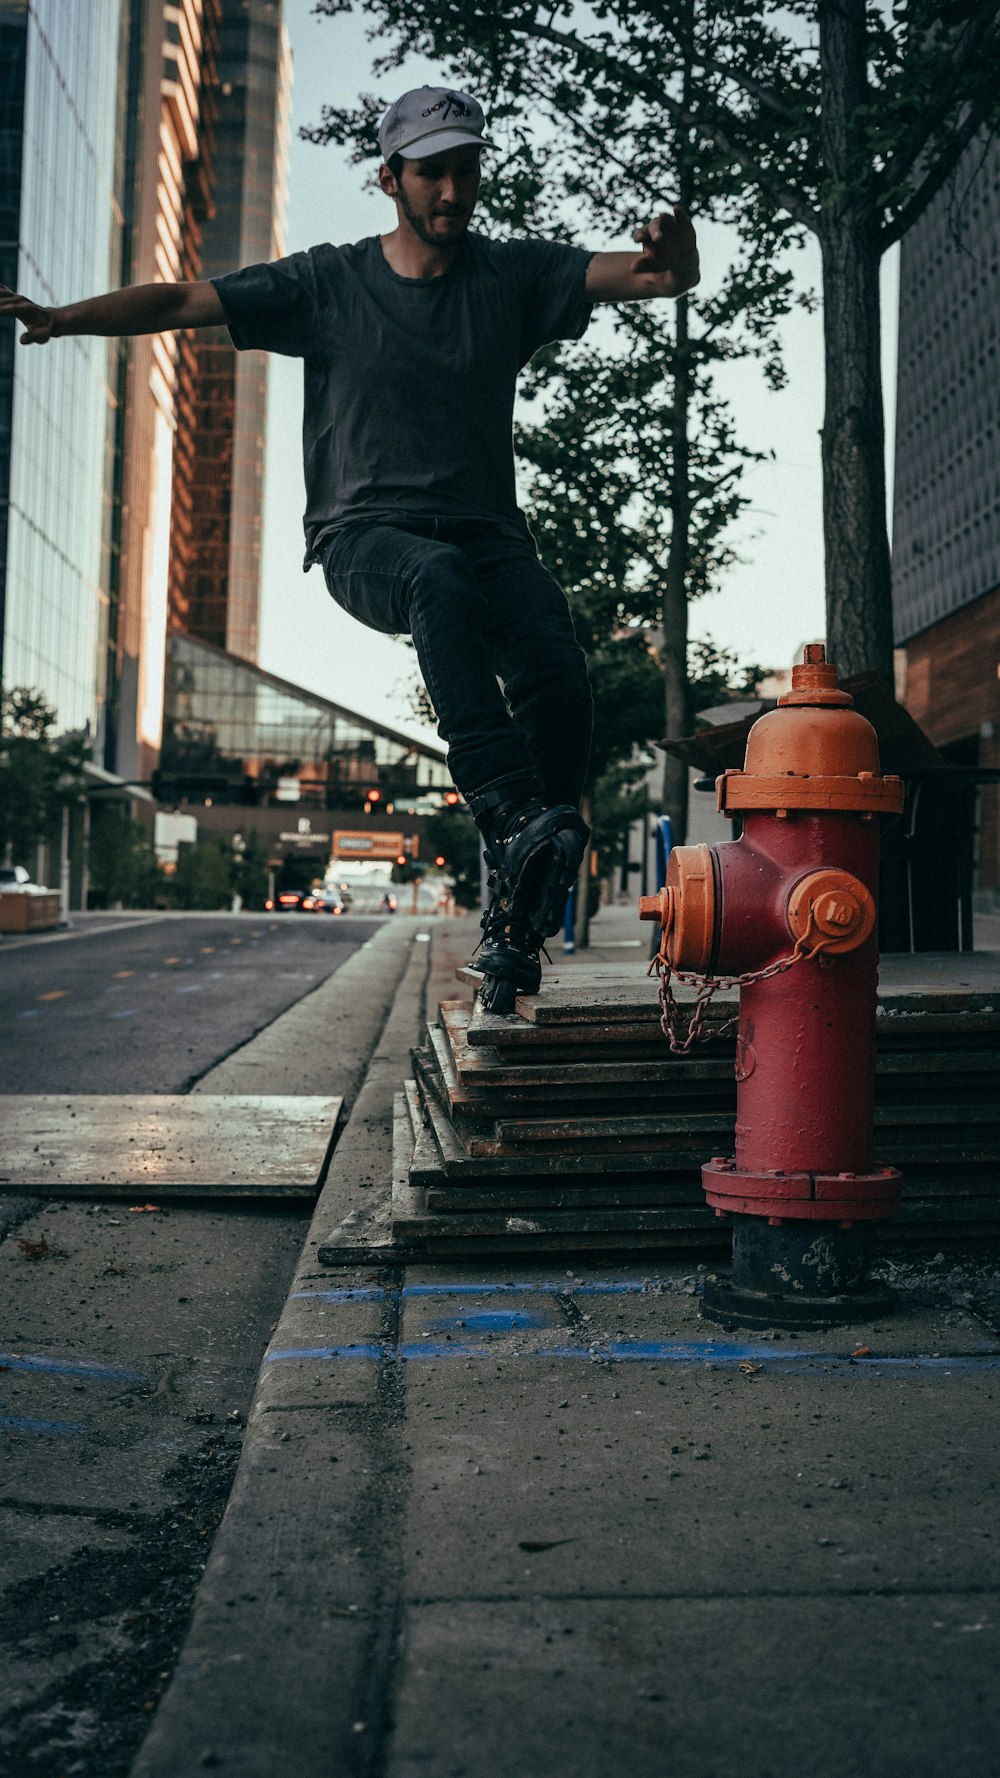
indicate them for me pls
(166, 1145)
(481, 1064)
(611, 1193)
(924, 985)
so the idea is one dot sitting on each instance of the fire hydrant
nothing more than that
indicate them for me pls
(787, 912)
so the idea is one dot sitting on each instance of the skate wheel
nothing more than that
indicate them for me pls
(497, 995)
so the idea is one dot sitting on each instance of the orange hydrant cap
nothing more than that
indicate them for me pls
(815, 732)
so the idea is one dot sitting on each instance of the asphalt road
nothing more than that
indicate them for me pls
(149, 1006)
(130, 1342)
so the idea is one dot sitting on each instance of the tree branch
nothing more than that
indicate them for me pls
(943, 167)
(930, 119)
(763, 94)
(713, 128)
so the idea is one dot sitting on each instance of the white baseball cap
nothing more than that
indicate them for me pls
(430, 119)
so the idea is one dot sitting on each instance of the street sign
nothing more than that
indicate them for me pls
(366, 843)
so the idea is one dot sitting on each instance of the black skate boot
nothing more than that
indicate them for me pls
(534, 853)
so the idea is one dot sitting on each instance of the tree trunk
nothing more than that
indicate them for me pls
(675, 601)
(675, 598)
(855, 528)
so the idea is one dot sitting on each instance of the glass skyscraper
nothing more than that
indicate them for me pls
(59, 241)
(215, 578)
(238, 734)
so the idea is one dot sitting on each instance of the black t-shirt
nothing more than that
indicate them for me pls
(409, 382)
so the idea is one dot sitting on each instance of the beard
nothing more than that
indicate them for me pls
(421, 225)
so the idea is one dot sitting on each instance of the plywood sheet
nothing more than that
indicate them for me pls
(166, 1145)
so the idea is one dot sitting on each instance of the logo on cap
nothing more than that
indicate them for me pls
(430, 119)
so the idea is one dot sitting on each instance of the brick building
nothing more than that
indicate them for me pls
(946, 501)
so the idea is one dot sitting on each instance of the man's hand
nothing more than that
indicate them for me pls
(667, 265)
(667, 242)
(39, 322)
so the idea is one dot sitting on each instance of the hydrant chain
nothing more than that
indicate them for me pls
(708, 985)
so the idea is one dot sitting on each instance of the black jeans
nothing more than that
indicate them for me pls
(480, 608)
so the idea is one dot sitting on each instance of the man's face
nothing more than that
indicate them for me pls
(438, 196)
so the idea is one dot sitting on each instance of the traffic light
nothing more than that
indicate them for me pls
(452, 799)
(374, 796)
(440, 861)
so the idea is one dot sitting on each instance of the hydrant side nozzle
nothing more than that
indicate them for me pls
(659, 907)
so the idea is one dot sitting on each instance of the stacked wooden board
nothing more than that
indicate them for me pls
(572, 1126)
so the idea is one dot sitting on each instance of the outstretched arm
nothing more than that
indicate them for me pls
(145, 308)
(666, 266)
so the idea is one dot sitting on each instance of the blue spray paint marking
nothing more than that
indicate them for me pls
(644, 1352)
(364, 1293)
(376, 1293)
(16, 1423)
(67, 1367)
(131, 1012)
(316, 1354)
(607, 1287)
(490, 1321)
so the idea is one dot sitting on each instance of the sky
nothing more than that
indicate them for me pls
(769, 603)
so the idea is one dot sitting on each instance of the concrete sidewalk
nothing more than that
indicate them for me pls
(535, 1522)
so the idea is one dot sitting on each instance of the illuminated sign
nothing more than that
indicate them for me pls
(367, 843)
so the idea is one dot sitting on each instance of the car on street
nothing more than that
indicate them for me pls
(305, 901)
(324, 901)
(289, 901)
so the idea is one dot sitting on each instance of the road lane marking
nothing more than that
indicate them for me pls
(120, 974)
(68, 1367)
(208, 950)
(171, 959)
(17, 1423)
(54, 994)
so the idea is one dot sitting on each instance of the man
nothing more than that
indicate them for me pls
(412, 343)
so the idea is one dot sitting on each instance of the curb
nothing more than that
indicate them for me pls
(288, 1636)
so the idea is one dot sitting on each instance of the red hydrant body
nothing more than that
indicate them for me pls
(802, 881)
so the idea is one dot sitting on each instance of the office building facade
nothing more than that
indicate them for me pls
(61, 180)
(236, 734)
(246, 751)
(946, 499)
(163, 109)
(215, 583)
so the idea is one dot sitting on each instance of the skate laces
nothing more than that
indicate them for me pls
(500, 925)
